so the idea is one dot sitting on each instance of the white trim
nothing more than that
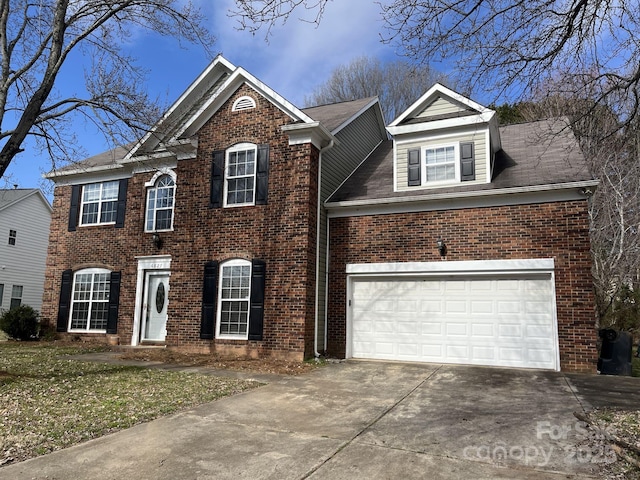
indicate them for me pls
(314, 133)
(243, 103)
(465, 266)
(240, 147)
(100, 202)
(92, 272)
(456, 164)
(152, 185)
(472, 268)
(459, 200)
(231, 263)
(154, 262)
(162, 171)
(488, 170)
(432, 125)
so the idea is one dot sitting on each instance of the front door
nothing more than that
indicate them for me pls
(154, 309)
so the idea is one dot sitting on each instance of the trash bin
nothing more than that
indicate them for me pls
(615, 353)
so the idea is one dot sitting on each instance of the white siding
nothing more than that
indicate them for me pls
(478, 137)
(24, 263)
(441, 106)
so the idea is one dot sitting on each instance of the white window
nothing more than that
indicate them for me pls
(160, 202)
(233, 301)
(99, 203)
(12, 237)
(90, 300)
(243, 103)
(441, 164)
(240, 175)
(16, 296)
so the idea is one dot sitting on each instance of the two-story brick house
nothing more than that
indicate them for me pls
(244, 225)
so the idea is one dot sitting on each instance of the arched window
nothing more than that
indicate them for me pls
(160, 202)
(90, 300)
(233, 301)
(243, 103)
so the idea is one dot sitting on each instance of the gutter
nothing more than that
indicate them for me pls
(319, 209)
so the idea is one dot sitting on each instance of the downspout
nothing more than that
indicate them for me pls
(315, 330)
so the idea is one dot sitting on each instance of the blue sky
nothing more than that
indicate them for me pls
(298, 57)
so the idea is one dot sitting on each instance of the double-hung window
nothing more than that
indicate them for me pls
(233, 304)
(90, 300)
(240, 175)
(16, 296)
(99, 203)
(160, 203)
(12, 237)
(441, 164)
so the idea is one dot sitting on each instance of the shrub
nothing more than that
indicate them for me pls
(21, 323)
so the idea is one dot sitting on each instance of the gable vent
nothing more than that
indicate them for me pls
(243, 103)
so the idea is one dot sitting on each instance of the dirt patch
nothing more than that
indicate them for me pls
(263, 365)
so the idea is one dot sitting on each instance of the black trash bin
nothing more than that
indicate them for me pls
(615, 353)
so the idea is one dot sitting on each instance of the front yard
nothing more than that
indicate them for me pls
(49, 402)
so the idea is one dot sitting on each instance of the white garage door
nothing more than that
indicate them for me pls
(497, 320)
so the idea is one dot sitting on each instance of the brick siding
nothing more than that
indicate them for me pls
(559, 230)
(282, 233)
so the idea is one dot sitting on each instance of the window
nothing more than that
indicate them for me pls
(16, 296)
(90, 300)
(12, 237)
(233, 303)
(441, 164)
(160, 201)
(243, 103)
(240, 175)
(99, 203)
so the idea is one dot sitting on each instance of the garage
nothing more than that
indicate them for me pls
(498, 313)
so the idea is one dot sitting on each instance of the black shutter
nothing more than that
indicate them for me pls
(209, 297)
(122, 202)
(217, 179)
(256, 303)
(74, 208)
(414, 167)
(467, 162)
(114, 302)
(65, 301)
(262, 175)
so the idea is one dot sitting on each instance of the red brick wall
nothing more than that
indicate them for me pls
(282, 233)
(558, 230)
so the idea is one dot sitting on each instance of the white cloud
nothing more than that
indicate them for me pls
(299, 56)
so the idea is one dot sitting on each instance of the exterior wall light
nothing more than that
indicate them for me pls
(157, 241)
(442, 247)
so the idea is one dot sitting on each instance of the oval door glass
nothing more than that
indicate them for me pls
(160, 297)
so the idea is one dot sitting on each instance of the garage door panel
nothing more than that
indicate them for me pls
(473, 320)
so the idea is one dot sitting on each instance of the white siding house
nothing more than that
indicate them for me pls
(25, 215)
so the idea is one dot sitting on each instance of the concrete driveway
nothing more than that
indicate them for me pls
(370, 420)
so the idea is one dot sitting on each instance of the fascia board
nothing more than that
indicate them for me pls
(441, 124)
(237, 78)
(53, 175)
(356, 115)
(460, 200)
(314, 133)
(219, 63)
(437, 89)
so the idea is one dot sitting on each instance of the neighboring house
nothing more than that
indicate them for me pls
(243, 225)
(25, 215)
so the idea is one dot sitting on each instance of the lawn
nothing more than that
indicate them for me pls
(49, 402)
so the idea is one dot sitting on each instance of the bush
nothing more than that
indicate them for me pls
(21, 323)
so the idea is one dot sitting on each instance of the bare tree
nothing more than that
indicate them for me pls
(36, 40)
(398, 84)
(506, 47)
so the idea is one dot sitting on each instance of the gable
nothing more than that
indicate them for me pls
(443, 107)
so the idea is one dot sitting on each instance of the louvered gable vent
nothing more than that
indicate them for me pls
(243, 103)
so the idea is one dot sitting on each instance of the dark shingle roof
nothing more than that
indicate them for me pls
(104, 159)
(335, 114)
(11, 195)
(537, 153)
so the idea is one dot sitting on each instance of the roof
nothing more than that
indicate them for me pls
(334, 115)
(12, 196)
(533, 154)
(101, 161)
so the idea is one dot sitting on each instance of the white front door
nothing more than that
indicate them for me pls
(154, 309)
